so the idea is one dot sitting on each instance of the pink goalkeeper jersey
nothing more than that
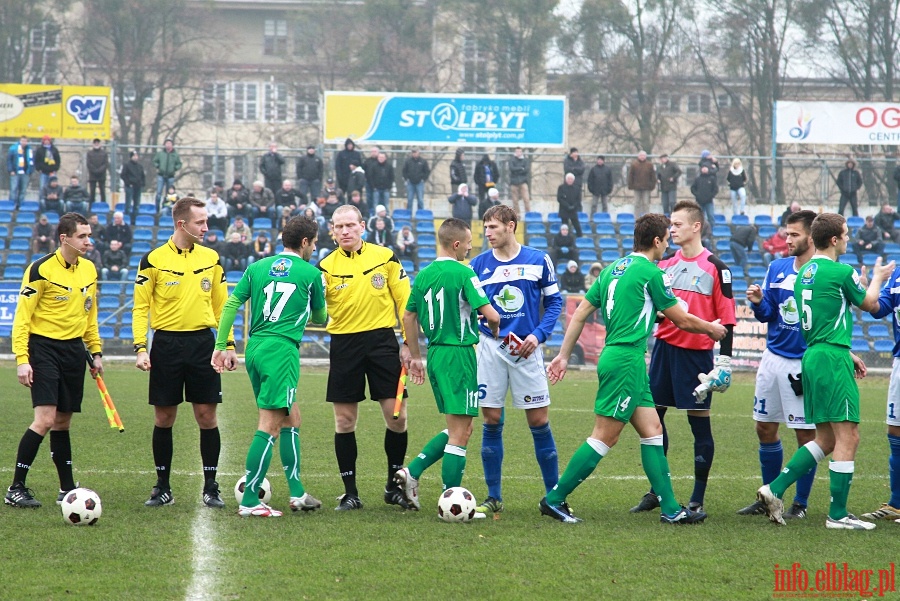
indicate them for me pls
(703, 288)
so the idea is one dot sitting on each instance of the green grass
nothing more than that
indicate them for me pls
(382, 552)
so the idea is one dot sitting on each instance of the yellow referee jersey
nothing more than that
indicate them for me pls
(364, 290)
(59, 301)
(178, 290)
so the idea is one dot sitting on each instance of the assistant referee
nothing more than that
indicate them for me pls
(56, 315)
(179, 291)
(366, 289)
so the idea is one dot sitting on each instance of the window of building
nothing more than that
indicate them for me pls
(275, 102)
(698, 103)
(306, 104)
(45, 53)
(245, 101)
(213, 106)
(475, 79)
(275, 37)
(668, 103)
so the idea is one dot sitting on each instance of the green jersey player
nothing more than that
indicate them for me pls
(285, 292)
(446, 299)
(825, 289)
(628, 293)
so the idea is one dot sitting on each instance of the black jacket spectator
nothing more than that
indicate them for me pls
(518, 170)
(133, 174)
(600, 180)
(462, 205)
(575, 165)
(487, 175)
(46, 159)
(234, 255)
(415, 170)
(287, 198)
(383, 175)
(97, 164)
(563, 246)
(357, 181)
(571, 282)
(458, 173)
(869, 239)
(310, 167)
(346, 157)
(705, 188)
(121, 232)
(270, 165)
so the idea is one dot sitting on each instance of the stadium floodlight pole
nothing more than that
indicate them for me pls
(112, 414)
(401, 386)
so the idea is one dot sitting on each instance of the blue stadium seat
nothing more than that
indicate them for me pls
(262, 223)
(35, 257)
(740, 220)
(755, 258)
(427, 240)
(767, 231)
(101, 218)
(535, 228)
(720, 219)
(553, 217)
(588, 255)
(107, 332)
(895, 258)
(626, 230)
(30, 205)
(584, 242)
(425, 226)
(5, 217)
(859, 345)
(756, 273)
(605, 229)
(407, 265)
(423, 264)
(16, 259)
(146, 209)
(145, 221)
(877, 330)
(554, 227)
(134, 261)
(126, 318)
(109, 302)
(892, 248)
(234, 276)
(855, 222)
(721, 231)
(26, 217)
(763, 220)
(848, 258)
(608, 244)
(561, 267)
(401, 214)
(538, 242)
(13, 272)
(5, 331)
(608, 256)
(2, 243)
(52, 218)
(424, 214)
(601, 218)
(120, 207)
(7, 205)
(141, 248)
(737, 271)
(723, 245)
(399, 225)
(428, 254)
(129, 289)
(582, 217)
(870, 258)
(19, 244)
(532, 217)
(866, 316)
(884, 346)
(857, 331)
(143, 234)
(625, 218)
(105, 316)
(238, 334)
(585, 267)
(628, 243)
(100, 207)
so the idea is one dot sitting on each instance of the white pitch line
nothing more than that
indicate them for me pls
(205, 554)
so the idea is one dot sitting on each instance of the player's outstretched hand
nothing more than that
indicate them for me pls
(883, 271)
(556, 371)
(859, 367)
(754, 294)
(416, 371)
(143, 361)
(528, 345)
(717, 330)
(25, 374)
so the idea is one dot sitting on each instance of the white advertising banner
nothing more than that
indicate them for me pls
(837, 122)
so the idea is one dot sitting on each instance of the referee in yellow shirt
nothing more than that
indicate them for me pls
(366, 289)
(56, 315)
(179, 291)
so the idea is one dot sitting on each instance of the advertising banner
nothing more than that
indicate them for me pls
(837, 123)
(445, 119)
(73, 112)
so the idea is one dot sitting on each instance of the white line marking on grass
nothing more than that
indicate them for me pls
(205, 553)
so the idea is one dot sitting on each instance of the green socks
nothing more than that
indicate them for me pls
(453, 466)
(841, 477)
(432, 452)
(258, 458)
(582, 464)
(289, 445)
(656, 466)
(800, 464)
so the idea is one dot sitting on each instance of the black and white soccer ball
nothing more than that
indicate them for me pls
(456, 505)
(265, 491)
(81, 507)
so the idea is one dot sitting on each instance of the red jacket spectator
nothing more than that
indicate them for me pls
(777, 245)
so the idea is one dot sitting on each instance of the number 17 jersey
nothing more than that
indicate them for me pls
(283, 290)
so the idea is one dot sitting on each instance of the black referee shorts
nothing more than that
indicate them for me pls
(372, 355)
(180, 369)
(58, 367)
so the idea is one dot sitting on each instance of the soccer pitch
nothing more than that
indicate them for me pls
(381, 552)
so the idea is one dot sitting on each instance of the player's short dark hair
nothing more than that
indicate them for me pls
(805, 217)
(452, 230)
(647, 228)
(691, 208)
(825, 227)
(181, 210)
(501, 213)
(298, 229)
(69, 222)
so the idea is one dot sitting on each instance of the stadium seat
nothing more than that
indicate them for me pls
(848, 258)
(866, 316)
(740, 220)
(52, 218)
(218, 233)
(601, 218)
(107, 332)
(584, 268)
(756, 273)
(424, 214)
(554, 227)
(19, 244)
(605, 229)
(737, 271)
(26, 217)
(427, 240)
(891, 248)
(628, 243)
(608, 244)
(5, 331)
(535, 228)
(855, 222)
(857, 331)
(7, 205)
(561, 267)
(625, 218)
(407, 265)
(13, 272)
(533, 217)
(145, 221)
(109, 302)
(423, 264)
(99, 207)
(755, 258)
(884, 346)
(721, 231)
(723, 245)
(583, 217)
(869, 259)
(584, 242)
(877, 330)
(608, 256)
(101, 218)
(767, 231)
(720, 219)
(143, 234)
(119, 207)
(146, 209)
(626, 230)
(141, 248)
(429, 254)
(234, 276)
(126, 318)
(553, 217)
(2, 243)
(588, 255)
(895, 258)
(262, 223)
(134, 261)
(30, 205)
(16, 259)
(425, 226)
(5, 217)
(399, 225)
(401, 214)
(763, 220)
(859, 345)
(538, 242)
(739, 285)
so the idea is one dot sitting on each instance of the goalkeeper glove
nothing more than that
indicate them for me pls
(717, 380)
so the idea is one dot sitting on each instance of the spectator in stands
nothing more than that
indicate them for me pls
(563, 247)
(357, 201)
(119, 230)
(641, 181)
(668, 174)
(330, 206)
(46, 161)
(357, 182)
(261, 247)
(311, 211)
(169, 200)
(793, 208)
(458, 172)
(167, 163)
(283, 220)
(592, 274)
(115, 263)
(462, 203)
(238, 200)
(869, 239)
(51, 197)
(709, 161)
(571, 281)
(575, 165)
(383, 180)
(349, 155)
(331, 188)
(380, 235)
(381, 213)
(216, 211)
(42, 239)
(706, 237)
(415, 172)
(885, 221)
(491, 199)
(849, 181)
(287, 197)
(98, 233)
(212, 240)
(405, 244)
(568, 195)
(600, 185)
(519, 171)
(20, 166)
(486, 176)
(238, 226)
(134, 180)
(97, 166)
(93, 255)
(704, 189)
(235, 252)
(75, 196)
(775, 246)
(737, 184)
(326, 242)
(270, 165)
(368, 166)
(742, 240)
(262, 201)
(310, 171)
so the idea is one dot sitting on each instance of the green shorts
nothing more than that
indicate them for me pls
(273, 365)
(830, 393)
(623, 382)
(453, 373)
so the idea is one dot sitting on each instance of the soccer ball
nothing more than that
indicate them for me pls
(456, 505)
(81, 507)
(265, 491)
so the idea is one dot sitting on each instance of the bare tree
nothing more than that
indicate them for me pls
(29, 41)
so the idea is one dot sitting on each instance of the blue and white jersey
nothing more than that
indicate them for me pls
(516, 288)
(889, 303)
(779, 309)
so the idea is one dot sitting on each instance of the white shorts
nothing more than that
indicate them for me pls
(774, 399)
(527, 380)
(893, 399)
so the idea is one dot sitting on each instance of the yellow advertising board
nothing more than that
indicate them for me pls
(74, 112)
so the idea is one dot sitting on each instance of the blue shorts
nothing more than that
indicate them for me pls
(673, 375)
